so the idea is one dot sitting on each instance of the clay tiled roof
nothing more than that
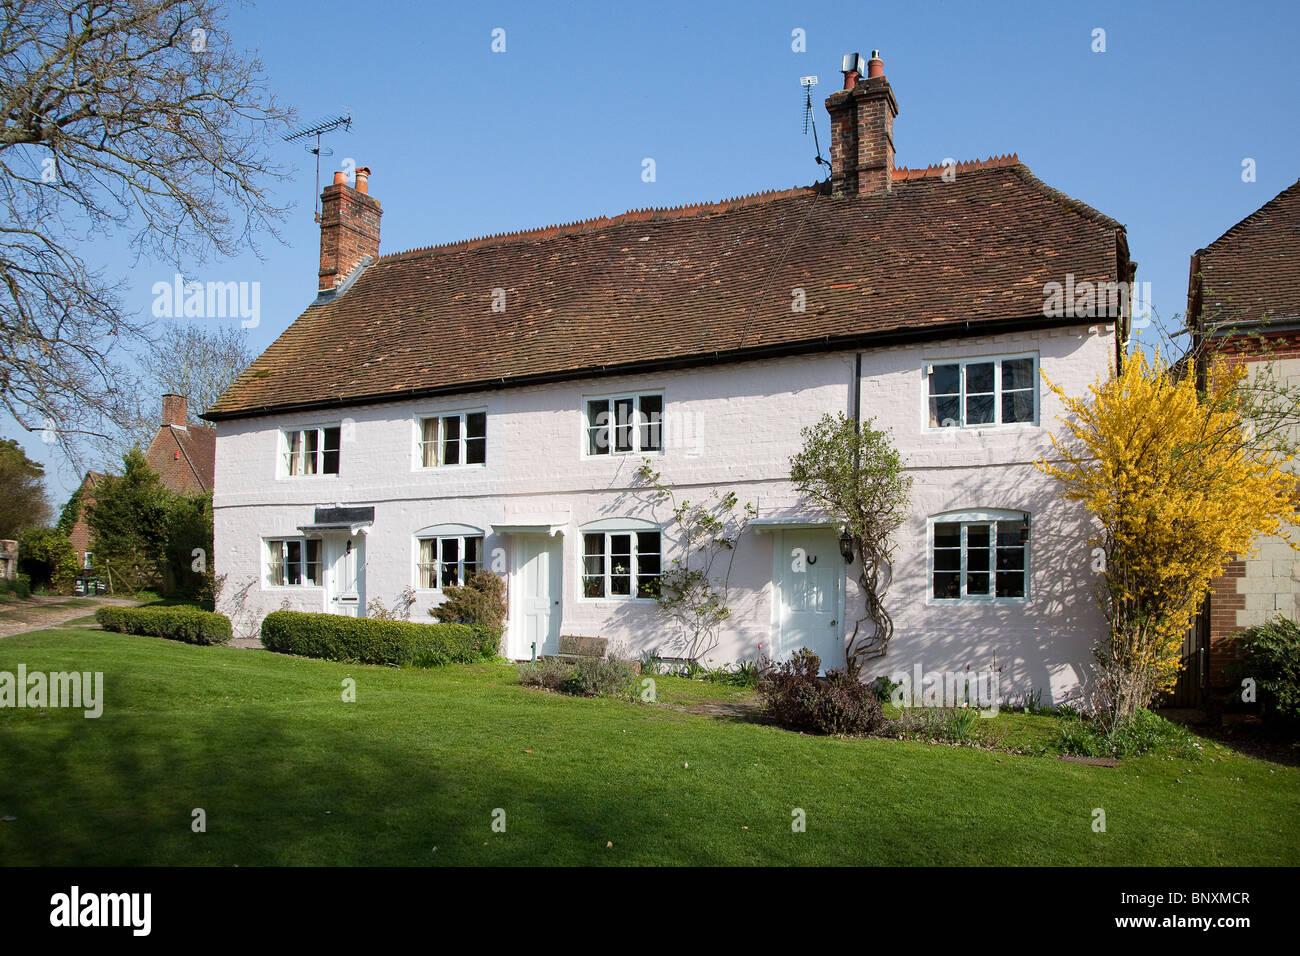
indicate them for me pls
(685, 286)
(1252, 271)
(191, 471)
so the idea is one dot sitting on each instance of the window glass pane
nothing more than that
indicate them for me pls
(652, 410)
(293, 562)
(947, 559)
(979, 377)
(450, 565)
(274, 563)
(947, 584)
(451, 440)
(977, 584)
(945, 412)
(1018, 407)
(1009, 533)
(598, 427)
(593, 565)
(979, 409)
(977, 536)
(647, 564)
(947, 535)
(623, 424)
(428, 562)
(977, 559)
(311, 447)
(620, 564)
(1011, 584)
(331, 451)
(312, 573)
(945, 380)
(293, 457)
(476, 438)
(473, 548)
(1017, 373)
(428, 442)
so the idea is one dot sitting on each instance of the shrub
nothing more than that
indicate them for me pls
(953, 725)
(48, 559)
(794, 697)
(549, 672)
(1144, 732)
(180, 623)
(481, 602)
(362, 641)
(19, 586)
(1270, 654)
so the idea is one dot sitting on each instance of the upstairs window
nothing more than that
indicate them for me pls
(975, 392)
(293, 562)
(454, 439)
(311, 451)
(624, 424)
(448, 561)
(621, 565)
(980, 556)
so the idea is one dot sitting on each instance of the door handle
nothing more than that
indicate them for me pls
(557, 603)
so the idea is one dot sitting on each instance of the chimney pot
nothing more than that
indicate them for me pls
(851, 67)
(340, 178)
(875, 66)
(363, 179)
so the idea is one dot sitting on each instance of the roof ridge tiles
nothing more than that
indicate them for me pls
(577, 226)
(1233, 231)
(903, 174)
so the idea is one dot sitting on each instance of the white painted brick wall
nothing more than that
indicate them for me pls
(736, 428)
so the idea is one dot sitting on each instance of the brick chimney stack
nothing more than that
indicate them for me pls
(175, 410)
(862, 129)
(349, 227)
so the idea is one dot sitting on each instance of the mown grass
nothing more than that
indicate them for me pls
(413, 771)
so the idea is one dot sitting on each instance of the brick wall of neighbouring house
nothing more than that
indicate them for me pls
(166, 457)
(1261, 586)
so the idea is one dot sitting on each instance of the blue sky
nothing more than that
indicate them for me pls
(463, 141)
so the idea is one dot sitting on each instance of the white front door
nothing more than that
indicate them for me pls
(537, 594)
(346, 575)
(808, 591)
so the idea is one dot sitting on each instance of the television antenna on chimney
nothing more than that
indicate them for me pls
(316, 129)
(809, 121)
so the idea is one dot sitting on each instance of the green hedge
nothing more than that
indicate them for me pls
(363, 641)
(180, 623)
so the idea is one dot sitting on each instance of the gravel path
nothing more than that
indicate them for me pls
(38, 613)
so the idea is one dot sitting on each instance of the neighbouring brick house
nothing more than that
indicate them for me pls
(1244, 287)
(8, 559)
(182, 453)
(486, 404)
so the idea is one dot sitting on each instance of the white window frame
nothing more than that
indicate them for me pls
(985, 516)
(87, 562)
(608, 528)
(609, 399)
(458, 533)
(927, 370)
(286, 449)
(462, 442)
(284, 560)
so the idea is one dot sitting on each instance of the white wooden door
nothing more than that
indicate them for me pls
(538, 592)
(346, 592)
(809, 579)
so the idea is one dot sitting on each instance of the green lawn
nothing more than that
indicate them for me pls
(412, 772)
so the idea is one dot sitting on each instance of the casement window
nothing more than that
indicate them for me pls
(445, 561)
(979, 556)
(311, 451)
(983, 391)
(621, 565)
(458, 438)
(624, 424)
(293, 562)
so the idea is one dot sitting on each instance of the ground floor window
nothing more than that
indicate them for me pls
(621, 564)
(448, 561)
(293, 562)
(982, 559)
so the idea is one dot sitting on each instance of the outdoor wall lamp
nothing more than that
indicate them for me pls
(846, 546)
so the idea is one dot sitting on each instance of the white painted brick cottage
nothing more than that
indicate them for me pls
(445, 409)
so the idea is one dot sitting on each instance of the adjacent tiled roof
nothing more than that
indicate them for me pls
(694, 283)
(1252, 271)
(192, 472)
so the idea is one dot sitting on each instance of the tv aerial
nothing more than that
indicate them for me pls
(809, 121)
(317, 129)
